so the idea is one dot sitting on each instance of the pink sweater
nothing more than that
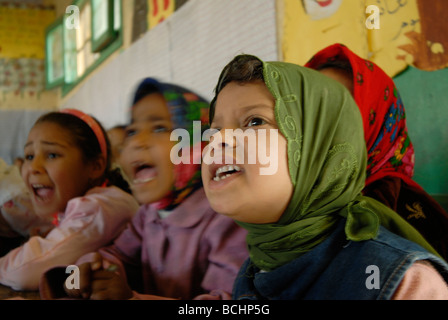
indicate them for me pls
(193, 253)
(89, 223)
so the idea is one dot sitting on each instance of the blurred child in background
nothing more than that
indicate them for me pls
(17, 218)
(67, 171)
(177, 247)
(390, 162)
(116, 136)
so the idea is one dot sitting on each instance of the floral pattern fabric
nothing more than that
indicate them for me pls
(390, 150)
(185, 108)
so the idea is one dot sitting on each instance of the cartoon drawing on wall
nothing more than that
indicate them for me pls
(159, 10)
(429, 47)
(321, 9)
(411, 32)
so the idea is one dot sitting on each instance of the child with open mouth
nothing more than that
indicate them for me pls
(67, 170)
(177, 247)
(311, 233)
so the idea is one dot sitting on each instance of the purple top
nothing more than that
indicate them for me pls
(194, 253)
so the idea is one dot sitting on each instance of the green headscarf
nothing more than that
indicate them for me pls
(327, 164)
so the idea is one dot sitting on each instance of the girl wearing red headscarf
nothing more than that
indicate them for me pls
(390, 164)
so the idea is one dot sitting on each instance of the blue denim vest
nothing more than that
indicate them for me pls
(338, 269)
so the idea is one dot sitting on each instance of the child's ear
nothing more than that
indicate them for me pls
(98, 166)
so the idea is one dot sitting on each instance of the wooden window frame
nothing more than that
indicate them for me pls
(102, 40)
(104, 45)
(50, 53)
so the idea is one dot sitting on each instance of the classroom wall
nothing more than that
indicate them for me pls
(22, 72)
(189, 48)
(22, 51)
(193, 44)
(425, 97)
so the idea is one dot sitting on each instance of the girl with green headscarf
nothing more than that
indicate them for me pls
(311, 234)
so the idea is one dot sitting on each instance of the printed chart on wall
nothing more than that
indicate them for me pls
(22, 51)
(22, 32)
(408, 32)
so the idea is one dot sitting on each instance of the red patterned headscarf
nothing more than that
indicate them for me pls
(390, 151)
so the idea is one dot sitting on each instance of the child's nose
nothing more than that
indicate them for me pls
(224, 139)
(141, 140)
(36, 165)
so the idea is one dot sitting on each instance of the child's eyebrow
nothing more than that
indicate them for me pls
(157, 118)
(48, 143)
(246, 109)
(257, 106)
(153, 118)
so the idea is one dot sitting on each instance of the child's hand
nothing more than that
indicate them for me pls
(36, 231)
(109, 285)
(96, 283)
(86, 271)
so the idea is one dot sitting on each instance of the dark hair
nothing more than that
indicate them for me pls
(242, 69)
(339, 64)
(151, 85)
(86, 140)
(144, 88)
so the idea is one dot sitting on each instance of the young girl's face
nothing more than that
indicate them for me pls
(145, 156)
(245, 195)
(342, 76)
(54, 169)
(116, 137)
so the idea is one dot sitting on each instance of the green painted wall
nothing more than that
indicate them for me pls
(425, 97)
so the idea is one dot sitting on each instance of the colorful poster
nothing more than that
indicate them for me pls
(311, 25)
(22, 32)
(396, 19)
(429, 47)
(407, 32)
(159, 10)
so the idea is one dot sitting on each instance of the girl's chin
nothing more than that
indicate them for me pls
(44, 209)
(222, 207)
(245, 215)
